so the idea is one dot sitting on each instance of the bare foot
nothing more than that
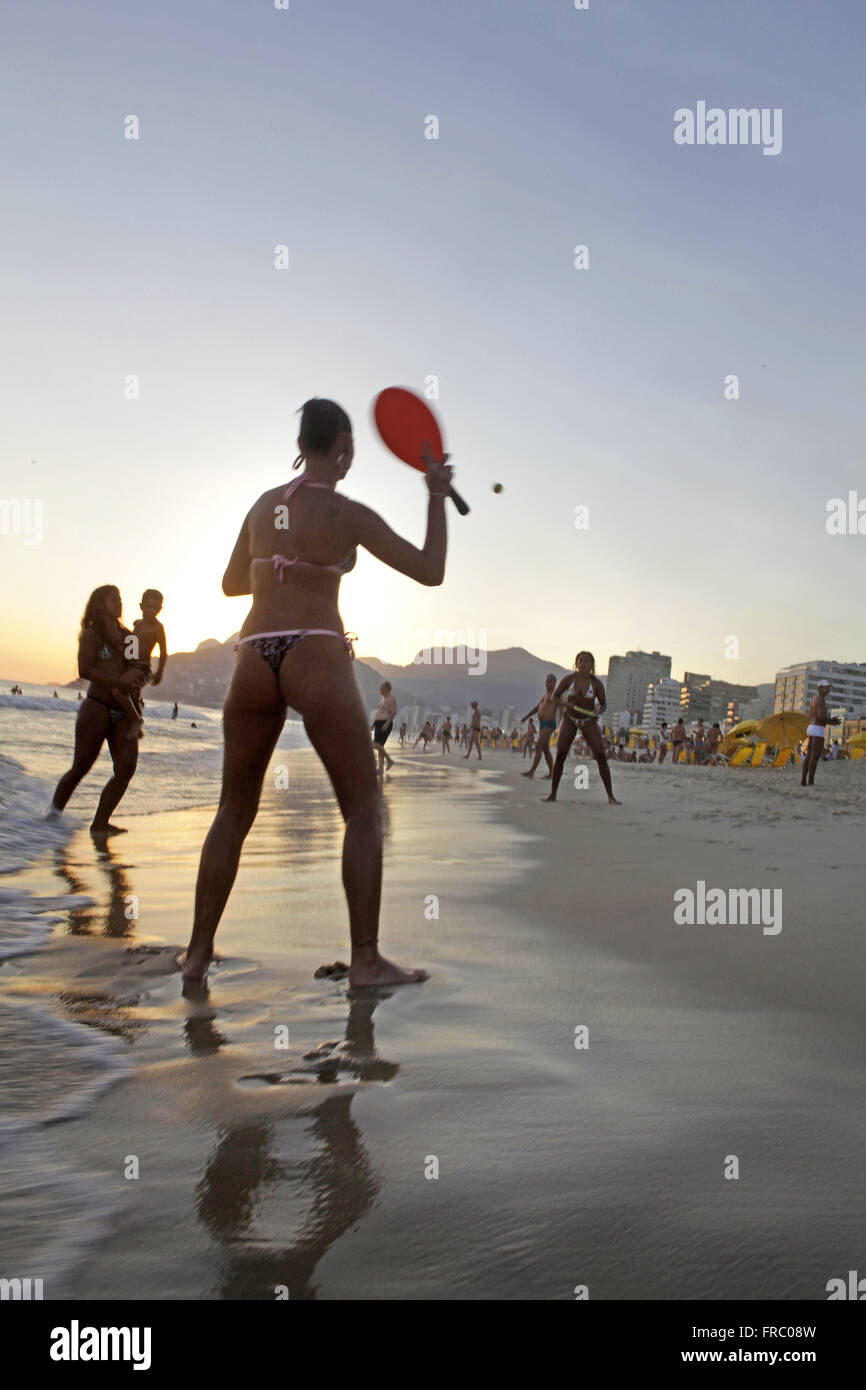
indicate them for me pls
(193, 965)
(379, 971)
(107, 829)
(612, 801)
(527, 774)
(549, 798)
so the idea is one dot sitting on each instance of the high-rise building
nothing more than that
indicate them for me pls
(629, 676)
(796, 685)
(701, 697)
(662, 703)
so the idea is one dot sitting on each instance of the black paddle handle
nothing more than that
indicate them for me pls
(462, 507)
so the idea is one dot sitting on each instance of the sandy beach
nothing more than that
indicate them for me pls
(307, 1165)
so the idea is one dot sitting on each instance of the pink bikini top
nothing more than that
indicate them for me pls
(282, 562)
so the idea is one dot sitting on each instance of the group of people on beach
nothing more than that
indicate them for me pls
(294, 545)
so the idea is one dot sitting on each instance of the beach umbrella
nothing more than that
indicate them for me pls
(638, 731)
(741, 730)
(783, 730)
(857, 740)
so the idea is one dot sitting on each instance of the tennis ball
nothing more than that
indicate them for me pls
(497, 487)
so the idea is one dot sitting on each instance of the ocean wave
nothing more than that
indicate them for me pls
(70, 704)
(25, 833)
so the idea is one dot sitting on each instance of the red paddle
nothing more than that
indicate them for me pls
(405, 424)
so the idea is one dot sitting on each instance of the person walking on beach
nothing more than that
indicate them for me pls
(663, 742)
(426, 734)
(383, 723)
(446, 735)
(678, 739)
(102, 661)
(475, 731)
(584, 691)
(293, 651)
(546, 711)
(403, 733)
(819, 718)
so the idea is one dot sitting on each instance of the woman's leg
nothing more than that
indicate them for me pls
(253, 718)
(318, 681)
(124, 756)
(567, 731)
(595, 742)
(91, 728)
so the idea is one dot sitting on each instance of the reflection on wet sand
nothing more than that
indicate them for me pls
(337, 1184)
(115, 915)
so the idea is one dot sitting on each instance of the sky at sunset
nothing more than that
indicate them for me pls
(409, 257)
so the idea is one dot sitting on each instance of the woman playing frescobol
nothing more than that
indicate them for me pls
(585, 692)
(293, 651)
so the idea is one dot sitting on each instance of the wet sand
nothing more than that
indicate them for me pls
(305, 1167)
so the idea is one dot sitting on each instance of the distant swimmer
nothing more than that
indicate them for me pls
(474, 740)
(585, 690)
(819, 718)
(102, 662)
(383, 723)
(546, 710)
(294, 547)
(175, 711)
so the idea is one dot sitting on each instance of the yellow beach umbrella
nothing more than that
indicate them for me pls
(783, 730)
(857, 740)
(741, 730)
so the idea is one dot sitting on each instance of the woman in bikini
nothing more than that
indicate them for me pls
(584, 691)
(294, 547)
(102, 661)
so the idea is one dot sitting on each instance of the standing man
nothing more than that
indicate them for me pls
(699, 734)
(383, 723)
(474, 731)
(819, 718)
(446, 735)
(546, 711)
(678, 738)
(714, 738)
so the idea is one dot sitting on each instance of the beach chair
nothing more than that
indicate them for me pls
(856, 752)
(741, 757)
(783, 757)
(760, 750)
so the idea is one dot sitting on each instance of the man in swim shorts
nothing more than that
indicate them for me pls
(383, 723)
(819, 718)
(546, 709)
